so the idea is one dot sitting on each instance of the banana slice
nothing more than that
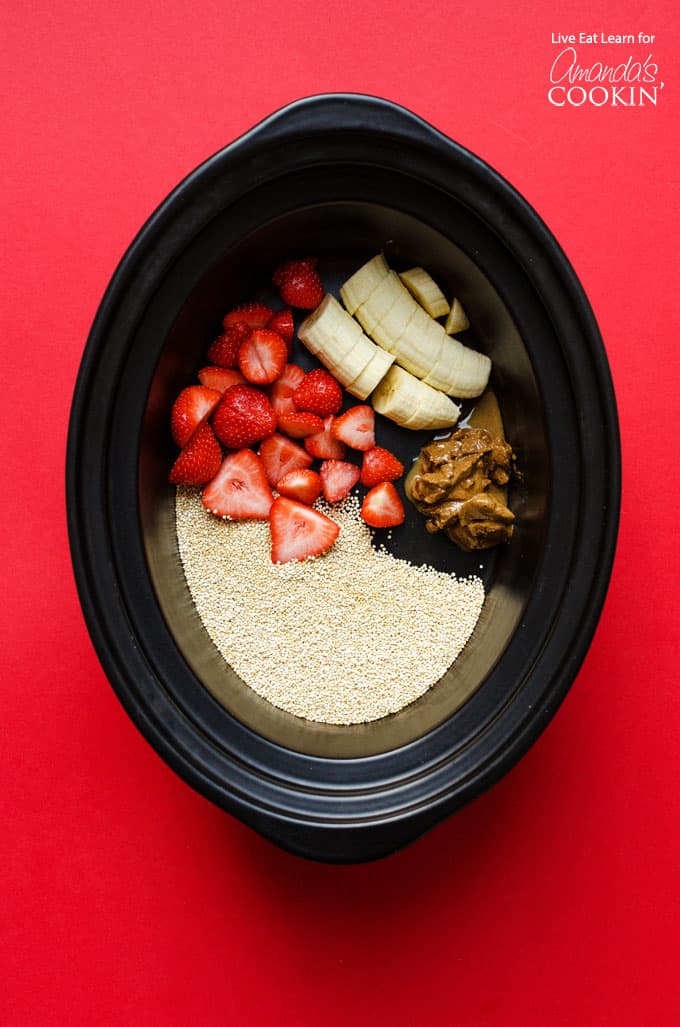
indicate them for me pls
(459, 370)
(330, 329)
(351, 364)
(380, 301)
(457, 320)
(394, 323)
(364, 384)
(358, 288)
(418, 346)
(426, 291)
(411, 403)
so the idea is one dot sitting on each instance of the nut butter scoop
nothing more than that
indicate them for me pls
(460, 483)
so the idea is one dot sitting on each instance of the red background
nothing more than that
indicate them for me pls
(125, 897)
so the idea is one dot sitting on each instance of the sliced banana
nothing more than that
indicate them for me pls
(351, 364)
(418, 346)
(378, 304)
(364, 384)
(358, 288)
(426, 291)
(387, 331)
(457, 320)
(411, 403)
(329, 326)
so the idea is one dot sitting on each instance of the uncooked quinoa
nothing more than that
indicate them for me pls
(343, 638)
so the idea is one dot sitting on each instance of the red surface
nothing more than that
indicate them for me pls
(125, 897)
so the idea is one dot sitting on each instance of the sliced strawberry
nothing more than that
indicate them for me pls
(281, 455)
(303, 485)
(255, 315)
(382, 507)
(200, 459)
(319, 393)
(298, 531)
(281, 392)
(225, 348)
(240, 489)
(338, 478)
(323, 445)
(356, 427)
(299, 424)
(282, 322)
(380, 465)
(193, 405)
(299, 283)
(262, 357)
(244, 416)
(220, 378)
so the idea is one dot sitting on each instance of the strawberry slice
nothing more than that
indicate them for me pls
(255, 315)
(262, 357)
(356, 427)
(380, 465)
(324, 445)
(281, 455)
(282, 322)
(193, 405)
(244, 416)
(303, 485)
(299, 424)
(200, 459)
(298, 531)
(281, 392)
(220, 378)
(338, 478)
(382, 507)
(225, 348)
(299, 283)
(240, 489)
(319, 393)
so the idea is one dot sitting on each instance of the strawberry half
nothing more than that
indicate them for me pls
(338, 478)
(380, 465)
(299, 424)
(193, 405)
(255, 315)
(282, 322)
(220, 378)
(262, 357)
(356, 427)
(299, 283)
(319, 393)
(200, 459)
(303, 485)
(281, 392)
(281, 455)
(298, 531)
(243, 417)
(240, 489)
(224, 350)
(323, 445)
(382, 507)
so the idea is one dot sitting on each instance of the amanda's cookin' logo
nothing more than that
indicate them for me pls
(630, 82)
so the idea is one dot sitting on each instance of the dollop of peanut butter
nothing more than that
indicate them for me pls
(460, 484)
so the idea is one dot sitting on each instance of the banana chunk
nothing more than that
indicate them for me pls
(359, 287)
(330, 328)
(459, 371)
(426, 291)
(457, 320)
(376, 369)
(380, 301)
(411, 403)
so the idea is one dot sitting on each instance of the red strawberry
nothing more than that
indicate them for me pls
(303, 485)
(356, 427)
(380, 465)
(319, 393)
(281, 392)
(282, 322)
(255, 315)
(240, 489)
(281, 455)
(299, 424)
(299, 284)
(382, 507)
(193, 405)
(220, 378)
(338, 479)
(200, 459)
(224, 350)
(244, 416)
(324, 445)
(262, 357)
(298, 531)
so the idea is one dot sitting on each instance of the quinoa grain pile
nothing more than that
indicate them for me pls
(344, 638)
